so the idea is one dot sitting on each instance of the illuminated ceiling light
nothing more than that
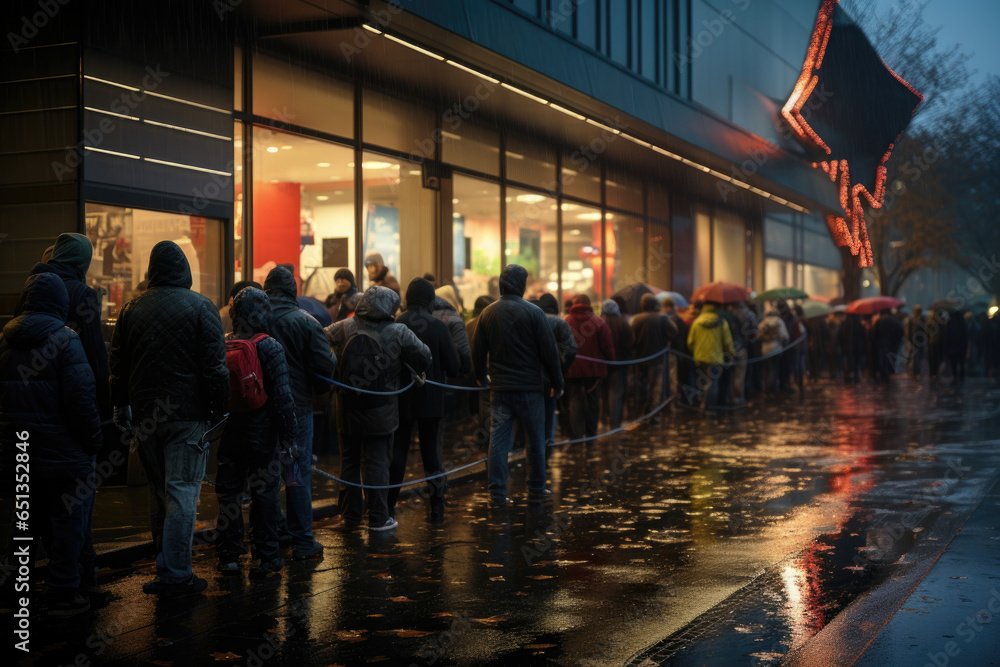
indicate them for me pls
(239, 167)
(450, 135)
(272, 149)
(180, 165)
(111, 83)
(530, 199)
(455, 200)
(188, 130)
(115, 153)
(350, 165)
(593, 215)
(376, 165)
(670, 155)
(993, 311)
(414, 47)
(472, 71)
(371, 29)
(524, 93)
(188, 102)
(567, 111)
(413, 172)
(575, 232)
(322, 197)
(866, 283)
(603, 126)
(636, 140)
(516, 156)
(322, 164)
(111, 113)
(286, 148)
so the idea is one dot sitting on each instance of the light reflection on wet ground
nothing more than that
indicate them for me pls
(695, 541)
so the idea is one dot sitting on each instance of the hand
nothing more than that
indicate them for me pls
(123, 418)
(420, 380)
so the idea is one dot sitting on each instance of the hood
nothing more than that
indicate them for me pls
(581, 311)
(345, 274)
(46, 305)
(448, 293)
(610, 308)
(168, 267)
(280, 281)
(482, 302)
(420, 292)
(649, 303)
(709, 317)
(513, 280)
(73, 250)
(376, 259)
(377, 303)
(251, 311)
(548, 304)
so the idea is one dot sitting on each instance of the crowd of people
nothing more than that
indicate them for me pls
(178, 371)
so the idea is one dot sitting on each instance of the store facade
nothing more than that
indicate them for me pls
(283, 133)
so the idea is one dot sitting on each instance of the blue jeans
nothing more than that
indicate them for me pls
(529, 408)
(174, 458)
(550, 420)
(298, 499)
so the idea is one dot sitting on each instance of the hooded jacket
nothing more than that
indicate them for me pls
(428, 401)
(70, 259)
(46, 385)
(593, 339)
(652, 331)
(363, 415)
(168, 356)
(336, 303)
(383, 278)
(445, 310)
(772, 333)
(560, 329)
(621, 331)
(306, 349)
(710, 340)
(261, 429)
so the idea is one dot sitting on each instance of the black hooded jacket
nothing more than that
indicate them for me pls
(261, 429)
(428, 401)
(168, 356)
(46, 384)
(70, 260)
(306, 349)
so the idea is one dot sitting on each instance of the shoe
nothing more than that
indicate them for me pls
(499, 502)
(306, 553)
(348, 526)
(389, 524)
(193, 586)
(67, 604)
(265, 569)
(227, 566)
(540, 498)
(437, 510)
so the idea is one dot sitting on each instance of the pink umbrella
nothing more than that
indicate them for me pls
(873, 304)
(720, 292)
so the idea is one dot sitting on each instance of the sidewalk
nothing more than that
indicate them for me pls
(951, 617)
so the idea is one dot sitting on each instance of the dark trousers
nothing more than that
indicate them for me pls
(429, 432)
(376, 451)
(584, 400)
(956, 361)
(615, 385)
(261, 471)
(648, 382)
(60, 522)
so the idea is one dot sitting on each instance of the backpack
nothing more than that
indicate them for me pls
(364, 364)
(246, 377)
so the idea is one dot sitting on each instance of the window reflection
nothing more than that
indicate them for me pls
(581, 251)
(531, 239)
(475, 237)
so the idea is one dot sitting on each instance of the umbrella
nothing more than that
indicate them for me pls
(679, 300)
(632, 295)
(782, 293)
(811, 308)
(873, 304)
(720, 292)
(316, 309)
(947, 304)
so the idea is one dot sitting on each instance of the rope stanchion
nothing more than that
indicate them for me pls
(678, 353)
(455, 386)
(631, 424)
(365, 391)
(626, 362)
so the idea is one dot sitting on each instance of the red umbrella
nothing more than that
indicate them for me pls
(720, 292)
(873, 304)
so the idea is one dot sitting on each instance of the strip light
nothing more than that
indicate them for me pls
(472, 71)
(111, 113)
(188, 166)
(566, 111)
(188, 129)
(414, 47)
(115, 153)
(525, 93)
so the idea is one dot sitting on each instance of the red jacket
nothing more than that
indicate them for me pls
(593, 339)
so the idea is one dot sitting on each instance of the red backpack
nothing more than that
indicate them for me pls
(246, 377)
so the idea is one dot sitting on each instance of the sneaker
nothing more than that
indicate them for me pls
(68, 604)
(389, 524)
(265, 569)
(348, 526)
(306, 553)
(543, 497)
(499, 502)
(193, 586)
(228, 567)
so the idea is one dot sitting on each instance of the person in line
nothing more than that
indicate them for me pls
(224, 312)
(956, 346)
(54, 408)
(773, 336)
(513, 343)
(746, 328)
(711, 346)
(652, 332)
(424, 406)
(308, 356)
(887, 334)
(617, 380)
(249, 449)
(584, 377)
(168, 364)
(378, 272)
(567, 353)
(853, 344)
(368, 421)
(447, 307)
(344, 289)
(724, 395)
(685, 367)
(479, 401)
(789, 361)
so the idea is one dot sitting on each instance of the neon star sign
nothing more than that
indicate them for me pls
(857, 108)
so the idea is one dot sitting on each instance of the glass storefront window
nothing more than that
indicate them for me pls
(659, 254)
(472, 147)
(581, 246)
(624, 247)
(702, 246)
(581, 177)
(778, 273)
(238, 79)
(623, 191)
(292, 94)
(531, 239)
(531, 162)
(729, 248)
(399, 218)
(303, 201)
(398, 124)
(122, 240)
(820, 281)
(238, 200)
(475, 237)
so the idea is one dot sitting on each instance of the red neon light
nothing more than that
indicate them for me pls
(855, 234)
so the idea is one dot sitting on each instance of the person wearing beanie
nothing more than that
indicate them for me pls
(567, 353)
(584, 377)
(513, 343)
(344, 289)
(424, 405)
(227, 321)
(617, 380)
(378, 272)
(652, 333)
(447, 307)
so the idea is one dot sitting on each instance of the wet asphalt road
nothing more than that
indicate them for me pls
(690, 541)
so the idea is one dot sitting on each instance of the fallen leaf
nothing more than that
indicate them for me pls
(406, 634)
(351, 635)
(499, 578)
(400, 598)
(493, 564)
(215, 594)
(382, 575)
(228, 656)
(442, 614)
(375, 615)
(539, 646)
(521, 593)
(376, 658)
(490, 620)
(541, 576)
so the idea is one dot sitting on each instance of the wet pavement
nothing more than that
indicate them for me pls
(793, 531)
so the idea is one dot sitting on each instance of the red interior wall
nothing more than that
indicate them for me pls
(276, 211)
